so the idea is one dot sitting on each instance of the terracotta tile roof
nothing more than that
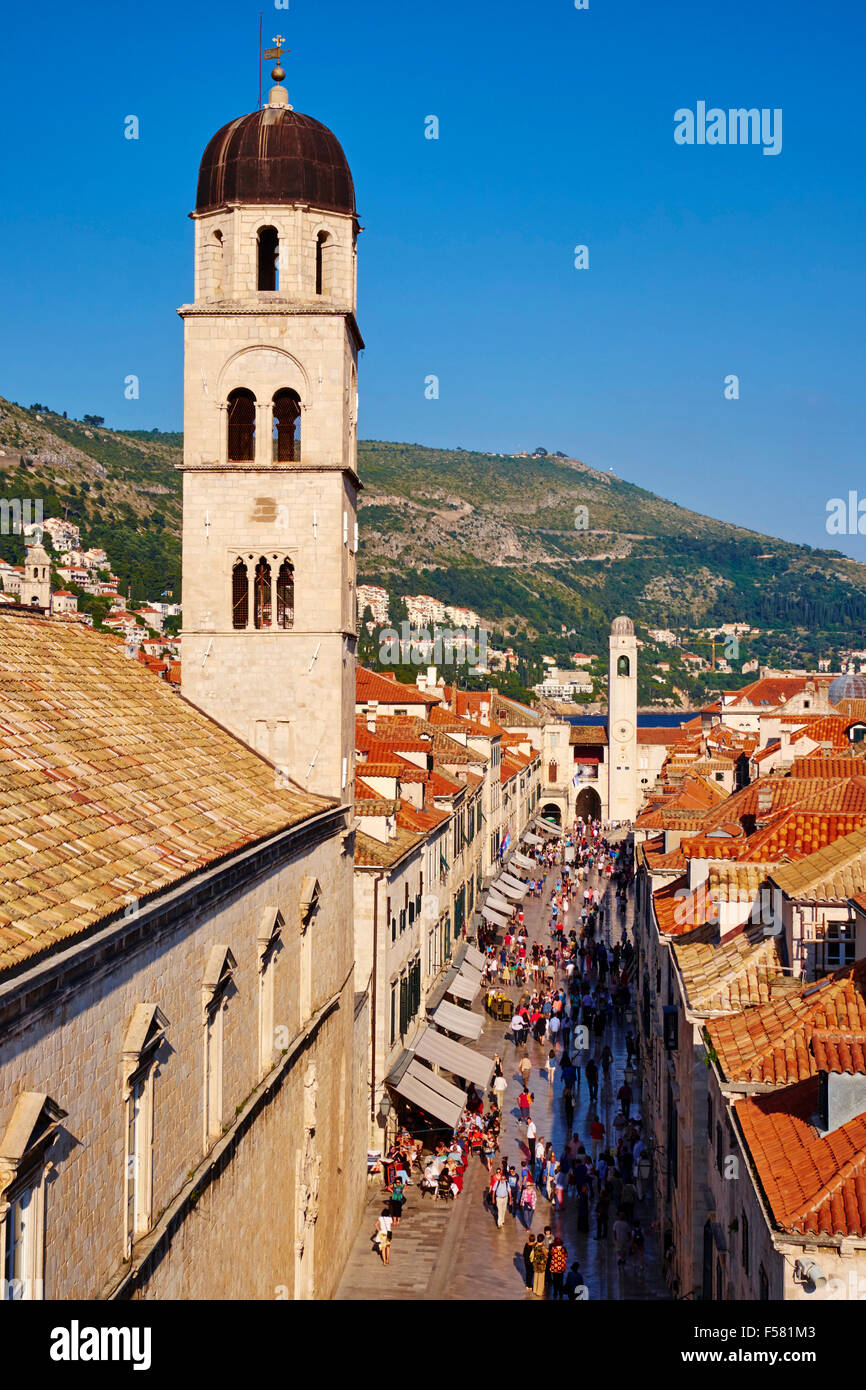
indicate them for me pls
(839, 1050)
(797, 834)
(816, 766)
(678, 912)
(443, 784)
(658, 861)
(413, 818)
(111, 788)
(374, 768)
(771, 1045)
(831, 874)
(371, 685)
(371, 853)
(770, 690)
(830, 728)
(669, 818)
(854, 709)
(813, 1186)
(585, 734)
(732, 975)
(463, 724)
(653, 735)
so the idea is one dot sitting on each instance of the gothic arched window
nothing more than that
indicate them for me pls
(287, 427)
(262, 608)
(286, 595)
(242, 426)
(622, 666)
(240, 595)
(268, 259)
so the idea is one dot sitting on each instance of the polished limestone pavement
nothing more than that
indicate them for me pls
(444, 1251)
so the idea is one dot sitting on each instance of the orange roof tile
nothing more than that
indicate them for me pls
(813, 1185)
(770, 1045)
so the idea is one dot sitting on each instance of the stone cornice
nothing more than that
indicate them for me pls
(281, 308)
(251, 468)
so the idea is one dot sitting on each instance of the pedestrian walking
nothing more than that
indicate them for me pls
(525, 1069)
(500, 1197)
(527, 1260)
(383, 1235)
(624, 1095)
(517, 1029)
(398, 1200)
(557, 1264)
(621, 1238)
(539, 1268)
(551, 1066)
(528, 1201)
(524, 1103)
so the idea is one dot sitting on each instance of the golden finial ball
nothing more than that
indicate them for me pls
(278, 73)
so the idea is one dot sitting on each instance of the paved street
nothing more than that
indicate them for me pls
(451, 1252)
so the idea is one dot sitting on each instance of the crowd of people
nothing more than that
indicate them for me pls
(573, 987)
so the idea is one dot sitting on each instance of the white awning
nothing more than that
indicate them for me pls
(531, 839)
(434, 1047)
(474, 957)
(523, 860)
(495, 917)
(546, 825)
(498, 903)
(508, 889)
(514, 881)
(462, 988)
(429, 1092)
(456, 1020)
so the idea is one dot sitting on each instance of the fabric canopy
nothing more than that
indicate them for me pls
(514, 881)
(495, 917)
(503, 886)
(429, 1092)
(531, 839)
(471, 955)
(498, 903)
(434, 1047)
(456, 1020)
(523, 860)
(546, 825)
(461, 987)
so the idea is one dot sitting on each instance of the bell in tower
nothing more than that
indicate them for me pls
(270, 483)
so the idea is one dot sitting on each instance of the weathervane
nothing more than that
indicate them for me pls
(277, 51)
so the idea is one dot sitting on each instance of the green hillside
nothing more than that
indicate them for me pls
(536, 545)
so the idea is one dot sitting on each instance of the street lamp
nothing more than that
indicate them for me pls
(386, 1105)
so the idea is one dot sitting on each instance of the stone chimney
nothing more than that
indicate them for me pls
(840, 1056)
(372, 708)
(485, 711)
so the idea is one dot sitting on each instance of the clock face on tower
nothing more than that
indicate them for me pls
(623, 729)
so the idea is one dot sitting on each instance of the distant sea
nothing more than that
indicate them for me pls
(664, 719)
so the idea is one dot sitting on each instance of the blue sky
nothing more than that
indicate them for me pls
(555, 129)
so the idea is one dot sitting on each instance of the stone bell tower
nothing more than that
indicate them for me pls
(270, 484)
(622, 722)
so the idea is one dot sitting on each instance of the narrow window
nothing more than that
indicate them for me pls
(321, 243)
(242, 426)
(216, 285)
(139, 1171)
(285, 595)
(287, 427)
(551, 772)
(214, 1070)
(622, 666)
(262, 612)
(268, 258)
(240, 595)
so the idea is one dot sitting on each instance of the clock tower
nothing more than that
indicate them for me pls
(622, 722)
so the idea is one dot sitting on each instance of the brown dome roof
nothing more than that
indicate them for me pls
(275, 156)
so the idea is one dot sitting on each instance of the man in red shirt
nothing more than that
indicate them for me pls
(596, 1134)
